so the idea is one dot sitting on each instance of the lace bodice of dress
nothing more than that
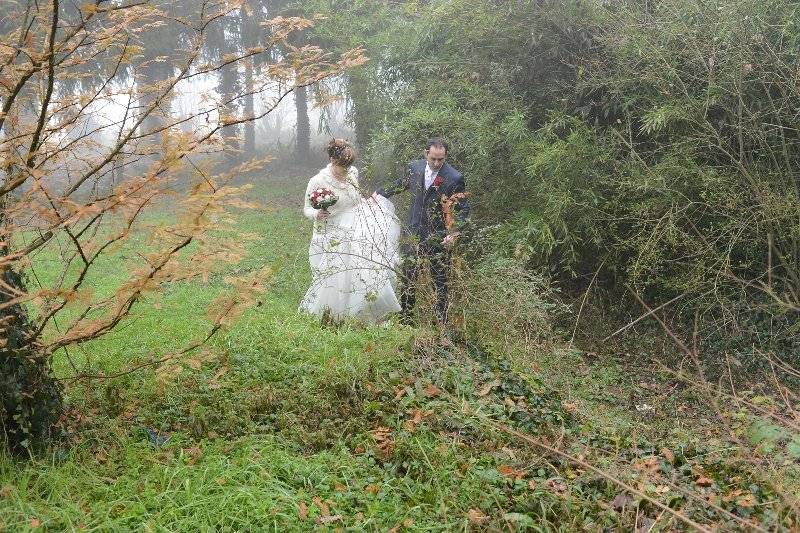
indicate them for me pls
(348, 192)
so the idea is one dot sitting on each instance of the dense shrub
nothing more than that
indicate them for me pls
(656, 144)
(30, 397)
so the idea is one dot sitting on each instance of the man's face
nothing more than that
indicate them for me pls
(435, 156)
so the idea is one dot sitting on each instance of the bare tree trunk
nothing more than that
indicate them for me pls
(151, 74)
(229, 85)
(303, 143)
(358, 87)
(249, 111)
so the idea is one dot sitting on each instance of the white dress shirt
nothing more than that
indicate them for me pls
(430, 175)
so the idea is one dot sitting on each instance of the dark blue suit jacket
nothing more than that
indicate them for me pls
(425, 217)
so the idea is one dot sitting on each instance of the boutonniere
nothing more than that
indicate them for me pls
(437, 182)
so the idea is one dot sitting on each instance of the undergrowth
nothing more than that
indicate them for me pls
(282, 424)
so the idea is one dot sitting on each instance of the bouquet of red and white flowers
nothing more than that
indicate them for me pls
(322, 198)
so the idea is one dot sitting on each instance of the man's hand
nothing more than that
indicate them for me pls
(450, 239)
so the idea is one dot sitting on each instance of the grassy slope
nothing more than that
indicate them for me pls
(282, 425)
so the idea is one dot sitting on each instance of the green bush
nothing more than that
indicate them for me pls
(30, 398)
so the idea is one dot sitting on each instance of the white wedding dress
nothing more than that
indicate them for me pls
(353, 254)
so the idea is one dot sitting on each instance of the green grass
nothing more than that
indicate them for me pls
(279, 424)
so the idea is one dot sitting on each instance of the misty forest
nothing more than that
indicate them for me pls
(387, 265)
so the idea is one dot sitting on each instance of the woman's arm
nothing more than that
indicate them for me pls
(309, 211)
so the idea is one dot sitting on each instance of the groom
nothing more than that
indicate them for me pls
(433, 184)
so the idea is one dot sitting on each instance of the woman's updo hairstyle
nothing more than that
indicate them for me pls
(341, 152)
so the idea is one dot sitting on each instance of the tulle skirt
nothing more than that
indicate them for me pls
(354, 257)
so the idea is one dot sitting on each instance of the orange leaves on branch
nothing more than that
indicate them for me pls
(281, 27)
(86, 174)
(88, 8)
(353, 58)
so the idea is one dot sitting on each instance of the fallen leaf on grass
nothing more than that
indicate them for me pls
(486, 389)
(302, 510)
(668, 455)
(621, 501)
(570, 407)
(746, 501)
(648, 465)
(194, 453)
(510, 471)
(411, 425)
(431, 391)
(324, 509)
(509, 452)
(406, 524)
(338, 487)
(328, 519)
(35, 523)
(476, 516)
(221, 372)
(373, 489)
(194, 363)
(557, 486)
(704, 481)
(645, 525)
(383, 439)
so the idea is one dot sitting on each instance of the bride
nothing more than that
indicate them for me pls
(353, 251)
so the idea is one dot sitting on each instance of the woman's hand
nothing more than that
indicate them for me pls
(323, 214)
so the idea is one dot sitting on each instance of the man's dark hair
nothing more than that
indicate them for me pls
(438, 142)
